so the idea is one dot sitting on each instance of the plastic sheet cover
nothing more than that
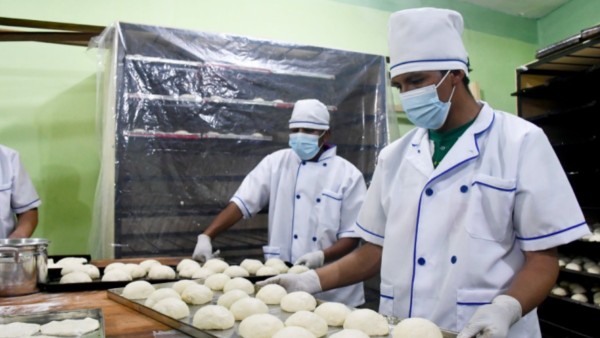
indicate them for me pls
(185, 115)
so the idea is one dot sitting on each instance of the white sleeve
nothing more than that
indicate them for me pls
(353, 199)
(372, 218)
(24, 196)
(546, 212)
(253, 194)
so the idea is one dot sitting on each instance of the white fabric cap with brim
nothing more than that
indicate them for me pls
(310, 114)
(425, 39)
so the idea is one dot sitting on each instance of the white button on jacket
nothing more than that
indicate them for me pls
(311, 206)
(453, 236)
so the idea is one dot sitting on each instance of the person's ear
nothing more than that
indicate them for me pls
(457, 77)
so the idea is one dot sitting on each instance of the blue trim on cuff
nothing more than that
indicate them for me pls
(386, 296)
(551, 234)
(244, 205)
(473, 303)
(369, 232)
(26, 205)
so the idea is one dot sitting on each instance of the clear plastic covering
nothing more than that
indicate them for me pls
(185, 115)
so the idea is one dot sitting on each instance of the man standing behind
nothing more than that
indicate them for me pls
(464, 212)
(18, 198)
(313, 195)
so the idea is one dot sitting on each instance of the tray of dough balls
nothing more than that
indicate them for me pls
(77, 274)
(229, 307)
(88, 323)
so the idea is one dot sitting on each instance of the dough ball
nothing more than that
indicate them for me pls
(231, 297)
(573, 266)
(202, 273)
(576, 288)
(298, 269)
(185, 263)
(558, 291)
(293, 331)
(239, 283)
(216, 265)
(116, 275)
(161, 272)
(75, 277)
(179, 286)
(138, 290)
(368, 321)
(213, 317)
(217, 281)
(71, 260)
(277, 264)
(271, 294)
(593, 270)
(90, 269)
(262, 325)
(349, 333)
(248, 306)
(416, 327)
(251, 265)
(115, 265)
(267, 271)
(160, 294)
(310, 321)
(298, 301)
(334, 313)
(197, 294)
(188, 271)
(135, 270)
(579, 297)
(148, 263)
(18, 329)
(70, 327)
(236, 271)
(172, 307)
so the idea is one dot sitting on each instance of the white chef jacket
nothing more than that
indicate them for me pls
(17, 193)
(453, 236)
(311, 205)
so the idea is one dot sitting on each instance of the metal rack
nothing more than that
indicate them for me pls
(191, 113)
(558, 92)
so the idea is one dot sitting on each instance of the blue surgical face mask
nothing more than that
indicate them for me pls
(424, 108)
(305, 145)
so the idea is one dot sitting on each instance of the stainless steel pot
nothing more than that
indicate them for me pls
(23, 264)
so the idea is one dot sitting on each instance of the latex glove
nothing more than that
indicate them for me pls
(203, 249)
(312, 260)
(493, 320)
(307, 281)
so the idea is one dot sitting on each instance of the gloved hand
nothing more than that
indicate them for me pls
(307, 281)
(493, 320)
(312, 260)
(203, 249)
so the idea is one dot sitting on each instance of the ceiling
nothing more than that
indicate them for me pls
(533, 9)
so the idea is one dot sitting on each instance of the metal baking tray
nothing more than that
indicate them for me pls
(185, 325)
(46, 317)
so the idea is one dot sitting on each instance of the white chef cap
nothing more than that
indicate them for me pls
(311, 114)
(423, 39)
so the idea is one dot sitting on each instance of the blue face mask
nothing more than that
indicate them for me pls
(305, 145)
(424, 108)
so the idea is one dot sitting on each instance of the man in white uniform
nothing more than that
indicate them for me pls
(18, 197)
(465, 212)
(313, 195)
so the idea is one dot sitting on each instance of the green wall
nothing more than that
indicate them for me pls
(567, 21)
(47, 105)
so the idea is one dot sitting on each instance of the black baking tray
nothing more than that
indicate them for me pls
(53, 283)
